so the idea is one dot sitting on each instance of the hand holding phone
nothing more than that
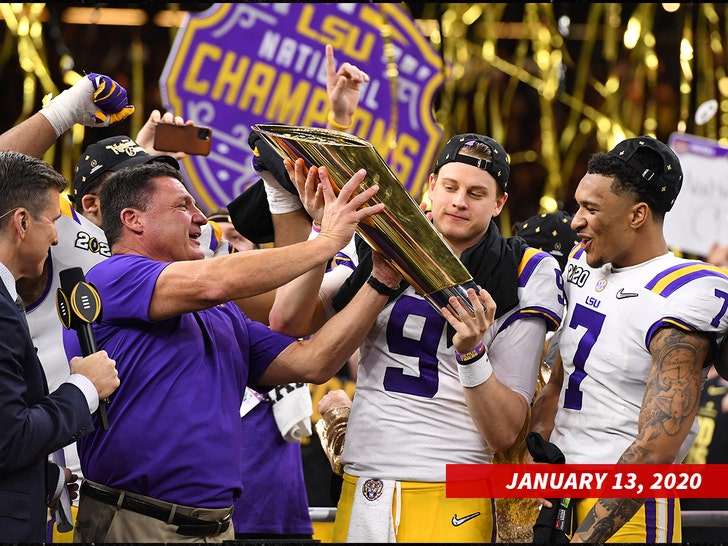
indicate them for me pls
(190, 139)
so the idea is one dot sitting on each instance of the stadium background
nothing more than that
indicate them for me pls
(553, 82)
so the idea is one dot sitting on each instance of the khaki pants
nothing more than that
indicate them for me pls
(100, 522)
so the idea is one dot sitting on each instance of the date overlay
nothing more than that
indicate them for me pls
(581, 481)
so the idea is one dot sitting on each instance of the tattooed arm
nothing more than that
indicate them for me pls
(671, 401)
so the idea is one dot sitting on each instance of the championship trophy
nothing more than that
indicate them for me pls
(401, 233)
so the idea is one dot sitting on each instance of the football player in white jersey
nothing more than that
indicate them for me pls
(639, 335)
(433, 389)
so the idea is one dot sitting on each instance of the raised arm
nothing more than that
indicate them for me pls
(95, 101)
(669, 407)
(297, 309)
(317, 358)
(33, 136)
(188, 286)
(343, 87)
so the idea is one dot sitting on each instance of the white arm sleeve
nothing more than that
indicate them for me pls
(516, 355)
(332, 282)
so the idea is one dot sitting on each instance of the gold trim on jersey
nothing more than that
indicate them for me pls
(666, 282)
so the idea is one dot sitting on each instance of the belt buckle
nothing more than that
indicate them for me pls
(212, 528)
(224, 523)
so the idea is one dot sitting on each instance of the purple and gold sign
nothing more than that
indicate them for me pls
(237, 65)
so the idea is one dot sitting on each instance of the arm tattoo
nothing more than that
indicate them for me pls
(671, 400)
(607, 516)
(673, 388)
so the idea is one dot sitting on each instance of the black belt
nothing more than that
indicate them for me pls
(186, 525)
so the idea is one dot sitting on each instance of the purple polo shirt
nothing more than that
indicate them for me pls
(274, 499)
(174, 422)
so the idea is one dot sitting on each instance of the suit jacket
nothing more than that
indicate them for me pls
(33, 424)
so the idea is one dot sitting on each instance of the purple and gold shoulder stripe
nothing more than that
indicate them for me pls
(529, 262)
(576, 252)
(668, 281)
(68, 210)
(216, 236)
(552, 320)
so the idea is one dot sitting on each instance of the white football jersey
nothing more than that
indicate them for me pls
(212, 243)
(611, 317)
(409, 418)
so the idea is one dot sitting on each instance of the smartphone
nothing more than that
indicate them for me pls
(190, 139)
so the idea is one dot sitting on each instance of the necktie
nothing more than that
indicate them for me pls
(21, 310)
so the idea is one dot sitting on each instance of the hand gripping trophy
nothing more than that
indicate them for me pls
(402, 232)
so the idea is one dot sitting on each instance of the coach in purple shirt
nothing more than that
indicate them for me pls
(169, 463)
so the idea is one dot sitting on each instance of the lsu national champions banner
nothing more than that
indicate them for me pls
(236, 65)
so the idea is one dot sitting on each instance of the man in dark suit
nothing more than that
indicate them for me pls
(33, 423)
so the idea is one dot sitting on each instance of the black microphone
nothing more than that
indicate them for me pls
(79, 305)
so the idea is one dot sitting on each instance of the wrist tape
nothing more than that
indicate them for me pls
(74, 105)
(475, 373)
(280, 200)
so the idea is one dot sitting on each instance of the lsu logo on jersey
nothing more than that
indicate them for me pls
(372, 489)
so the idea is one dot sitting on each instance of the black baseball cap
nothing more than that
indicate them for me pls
(250, 214)
(110, 154)
(267, 159)
(499, 168)
(665, 184)
(550, 232)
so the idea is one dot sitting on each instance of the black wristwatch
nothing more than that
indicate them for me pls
(380, 287)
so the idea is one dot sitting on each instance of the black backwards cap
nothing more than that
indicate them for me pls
(250, 214)
(265, 158)
(550, 232)
(110, 154)
(664, 185)
(498, 168)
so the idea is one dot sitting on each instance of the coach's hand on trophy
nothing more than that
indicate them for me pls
(343, 212)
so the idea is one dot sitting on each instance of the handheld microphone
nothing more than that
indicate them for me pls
(79, 305)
